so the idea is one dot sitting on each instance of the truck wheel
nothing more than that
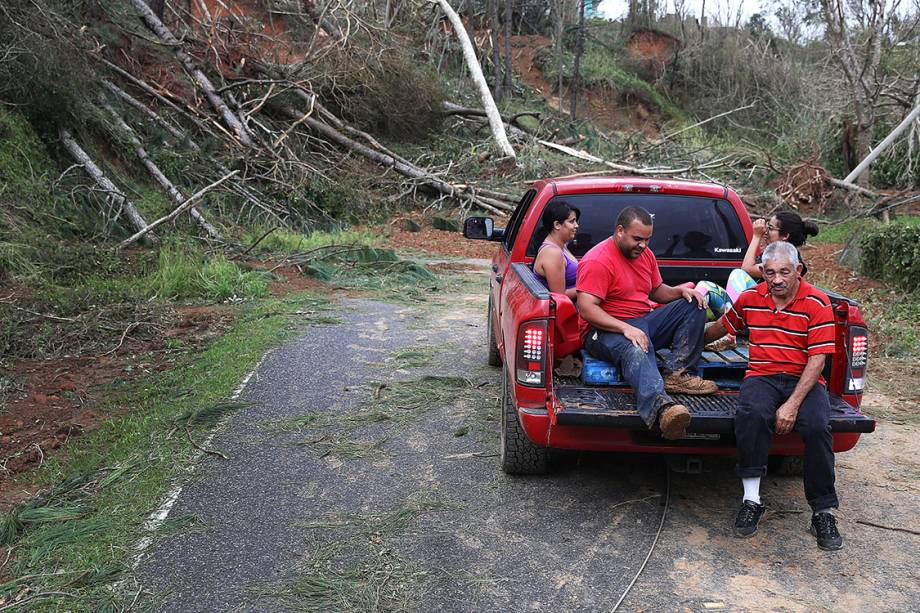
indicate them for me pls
(519, 455)
(495, 358)
(786, 466)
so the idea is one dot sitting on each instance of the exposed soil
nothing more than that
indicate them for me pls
(602, 105)
(56, 399)
(439, 241)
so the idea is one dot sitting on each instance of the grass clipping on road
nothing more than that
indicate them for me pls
(353, 566)
(71, 547)
(337, 434)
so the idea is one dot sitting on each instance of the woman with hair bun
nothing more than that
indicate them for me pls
(555, 266)
(784, 226)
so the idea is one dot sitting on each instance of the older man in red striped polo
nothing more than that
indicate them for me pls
(790, 324)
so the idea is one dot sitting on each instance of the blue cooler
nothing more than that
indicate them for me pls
(598, 372)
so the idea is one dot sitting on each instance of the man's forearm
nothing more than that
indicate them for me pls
(597, 317)
(664, 294)
(808, 379)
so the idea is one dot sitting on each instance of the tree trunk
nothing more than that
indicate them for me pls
(324, 22)
(143, 109)
(113, 194)
(579, 49)
(888, 140)
(559, 7)
(495, 120)
(157, 174)
(509, 71)
(230, 119)
(176, 212)
(494, 27)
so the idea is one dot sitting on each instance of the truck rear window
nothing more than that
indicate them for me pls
(686, 227)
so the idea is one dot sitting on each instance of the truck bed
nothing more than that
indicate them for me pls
(612, 403)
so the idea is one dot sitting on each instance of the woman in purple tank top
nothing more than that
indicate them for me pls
(554, 265)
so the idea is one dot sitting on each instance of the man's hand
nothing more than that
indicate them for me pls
(760, 227)
(691, 294)
(637, 337)
(785, 417)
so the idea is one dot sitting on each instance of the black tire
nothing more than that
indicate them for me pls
(786, 466)
(519, 456)
(495, 357)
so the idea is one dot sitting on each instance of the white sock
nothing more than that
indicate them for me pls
(827, 510)
(751, 489)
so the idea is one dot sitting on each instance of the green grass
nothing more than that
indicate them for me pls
(73, 545)
(414, 357)
(182, 274)
(286, 241)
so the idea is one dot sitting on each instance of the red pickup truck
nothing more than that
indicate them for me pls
(701, 232)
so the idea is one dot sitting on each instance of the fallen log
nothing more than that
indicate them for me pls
(113, 195)
(189, 202)
(469, 54)
(584, 155)
(322, 21)
(156, 95)
(145, 110)
(233, 122)
(157, 174)
(406, 169)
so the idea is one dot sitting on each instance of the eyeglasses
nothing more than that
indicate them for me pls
(772, 228)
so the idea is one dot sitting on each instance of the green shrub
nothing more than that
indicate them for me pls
(892, 253)
(182, 273)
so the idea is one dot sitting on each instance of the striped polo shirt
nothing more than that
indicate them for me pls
(781, 341)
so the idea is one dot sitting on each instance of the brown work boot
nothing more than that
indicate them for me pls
(682, 382)
(673, 421)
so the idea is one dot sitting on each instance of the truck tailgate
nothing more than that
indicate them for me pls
(615, 407)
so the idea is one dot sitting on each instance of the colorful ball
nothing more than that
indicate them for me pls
(717, 300)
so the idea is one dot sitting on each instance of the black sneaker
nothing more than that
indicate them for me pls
(747, 519)
(824, 528)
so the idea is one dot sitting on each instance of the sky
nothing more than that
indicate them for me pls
(717, 10)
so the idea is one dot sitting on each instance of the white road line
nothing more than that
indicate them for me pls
(156, 519)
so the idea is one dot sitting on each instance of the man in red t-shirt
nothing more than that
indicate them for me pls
(791, 328)
(618, 280)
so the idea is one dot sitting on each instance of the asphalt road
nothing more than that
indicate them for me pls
(322, 506)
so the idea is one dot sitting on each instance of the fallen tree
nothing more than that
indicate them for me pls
(234, 122)
(113, 195)
(469, 54)
(154, 170)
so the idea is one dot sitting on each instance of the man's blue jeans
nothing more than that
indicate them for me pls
(678, 326)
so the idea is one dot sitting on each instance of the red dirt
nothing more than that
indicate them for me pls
(604, 106)
(653, 50)
(439, 241)
(60, 398)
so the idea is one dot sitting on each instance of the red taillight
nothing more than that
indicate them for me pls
(859, 356)
(531, 359)
(859, 351)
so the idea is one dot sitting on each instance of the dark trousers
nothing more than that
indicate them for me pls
(679, 326)
(755, 421)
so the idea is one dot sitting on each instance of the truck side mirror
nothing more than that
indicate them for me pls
(479, 228)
